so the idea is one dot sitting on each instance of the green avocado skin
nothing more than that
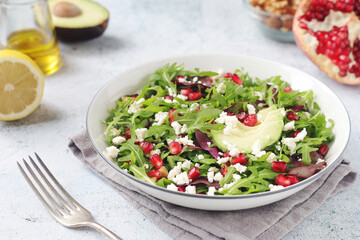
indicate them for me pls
(244, 137)
(80, 34)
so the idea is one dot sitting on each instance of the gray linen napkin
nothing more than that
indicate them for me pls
(268, 222)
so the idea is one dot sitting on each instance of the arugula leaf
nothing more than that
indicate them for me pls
(136, 150)
(140, 173)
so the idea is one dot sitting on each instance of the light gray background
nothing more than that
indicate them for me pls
(140, 31)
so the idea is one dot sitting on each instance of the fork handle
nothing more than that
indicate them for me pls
(104, 230)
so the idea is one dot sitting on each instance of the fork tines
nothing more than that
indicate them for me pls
(56, 204)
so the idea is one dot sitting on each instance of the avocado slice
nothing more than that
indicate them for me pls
(78, 20)
(244, 137)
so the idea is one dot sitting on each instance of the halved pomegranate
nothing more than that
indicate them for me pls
(328, 32)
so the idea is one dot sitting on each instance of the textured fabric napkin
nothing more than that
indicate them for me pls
(268, 222)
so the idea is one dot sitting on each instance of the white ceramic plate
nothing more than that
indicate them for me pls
(135, 78)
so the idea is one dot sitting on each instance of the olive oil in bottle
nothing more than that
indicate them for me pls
(42, 48)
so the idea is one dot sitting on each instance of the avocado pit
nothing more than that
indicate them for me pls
(66, 10)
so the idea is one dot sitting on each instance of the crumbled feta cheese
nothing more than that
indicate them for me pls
(182, 97)
(140, 133)
(229, 121)
(240, 168)
(256, 149)
(186, 164)
(251, 109)
(197, 165)
(211, 191)
(155, 151)
(169, 141)
(229, 185)
(260, 95)
(233, 151)
(114, 132)
(213, 169)
(181, 179)
(146, 165)
(208, 143)
(291, 142)
(136, 106)
(185, 141)
(278, 146)
(236, 177)
(195, 79)
(160, 118)
(222, 160)
(221, 154)
(178, 128)
(282, 111)
(193, 106)
(200, 156)
(210, 176)
(171, 92)
(319, 160)
(112, 151)
(221, 88)
(184, 105)
(271, 157)
(175, 171)
(118, 140)
(172, 187)
(289, 126)
(218, 177)
(261, 105)
(190, 189)
(182, 79)
(275, 187)
(307, 114)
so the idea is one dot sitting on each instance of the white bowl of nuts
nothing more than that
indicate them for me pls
(274, 17)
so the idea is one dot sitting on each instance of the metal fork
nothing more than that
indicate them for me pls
(65, 209)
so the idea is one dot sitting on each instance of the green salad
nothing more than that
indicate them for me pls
(205, 132)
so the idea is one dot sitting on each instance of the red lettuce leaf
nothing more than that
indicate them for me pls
(203, 139)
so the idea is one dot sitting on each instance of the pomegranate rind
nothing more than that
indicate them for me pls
(302, 36)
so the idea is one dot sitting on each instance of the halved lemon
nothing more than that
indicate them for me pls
(21, 85)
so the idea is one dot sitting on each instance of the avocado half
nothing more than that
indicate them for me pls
(78, 20)
(244, 137)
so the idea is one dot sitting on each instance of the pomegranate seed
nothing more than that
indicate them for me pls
(186, 91)
(194, 173)
(227, 163)
(291, 116)
(231, 114)
(323, 150)
(294, 134)
(181, 188)
(242, 116)
(175, 147)
(287, 89)
(127, 133)
(293, 179)
(134, 96)
(297, 108)
(227, 154)
(251, 120)
(223, 170)
(197, 109)
(278, 166)
(171, 114)
(236, 79)
(146, 146)
(154, 173)
(282, 180)
(194, 96)
(228, 75)
(241, 158)
(156, 160)
(168, 97)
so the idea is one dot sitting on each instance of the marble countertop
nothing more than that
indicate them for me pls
(140, 31)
